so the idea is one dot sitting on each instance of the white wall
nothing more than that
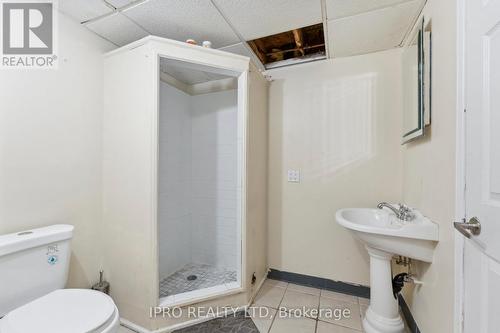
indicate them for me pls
(197, 179)
(429, 176)
(214, 178)
(50, 146)
(338, 122)
(174, 180)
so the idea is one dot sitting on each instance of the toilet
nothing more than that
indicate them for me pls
(34, 268)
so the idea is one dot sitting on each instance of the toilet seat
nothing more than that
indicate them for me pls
(64, 311)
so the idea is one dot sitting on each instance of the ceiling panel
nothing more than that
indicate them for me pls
(372, 31)
(343, 8)
(123, 3)
(118, 29)
(237, 49)
(181, 19)
(84, 10)
(259, 18)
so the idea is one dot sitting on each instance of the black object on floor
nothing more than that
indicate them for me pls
(234, 323)
(192, 277)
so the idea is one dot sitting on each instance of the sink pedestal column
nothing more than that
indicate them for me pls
(382, 316)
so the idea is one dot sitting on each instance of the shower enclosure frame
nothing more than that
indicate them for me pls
(129, 254)
(241, 74)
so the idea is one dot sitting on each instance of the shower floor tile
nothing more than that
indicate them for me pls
(206, 276)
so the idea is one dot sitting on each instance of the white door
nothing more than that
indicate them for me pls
(481, 297)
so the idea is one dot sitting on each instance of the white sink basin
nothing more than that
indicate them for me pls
(381, 229)
(385, 235)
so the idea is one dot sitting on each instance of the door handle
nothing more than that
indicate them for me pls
(468, 229)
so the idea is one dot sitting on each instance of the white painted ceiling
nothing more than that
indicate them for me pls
(354, 26)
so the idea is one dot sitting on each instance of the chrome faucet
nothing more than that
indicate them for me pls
(403, 213)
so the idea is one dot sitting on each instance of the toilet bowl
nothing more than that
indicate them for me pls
(34, 267)
(64, 311)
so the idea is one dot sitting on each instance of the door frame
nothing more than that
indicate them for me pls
(460, 165)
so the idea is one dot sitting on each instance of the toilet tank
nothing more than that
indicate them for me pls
(32, 264)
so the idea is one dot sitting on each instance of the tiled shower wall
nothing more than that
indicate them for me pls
(213, 178)
(174, 175)
(197, 179)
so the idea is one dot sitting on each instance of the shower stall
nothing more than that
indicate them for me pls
(198, 194)
(184, 178)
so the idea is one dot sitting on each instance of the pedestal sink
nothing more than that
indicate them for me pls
(385, 235)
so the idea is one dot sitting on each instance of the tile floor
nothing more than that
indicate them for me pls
(207, 276)
(277, 296)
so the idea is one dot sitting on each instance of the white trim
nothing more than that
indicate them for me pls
(243, 124)
(154, 176)
(460, 209)
(139, 329)
(198, 296)
(175, 43)
(134, 327)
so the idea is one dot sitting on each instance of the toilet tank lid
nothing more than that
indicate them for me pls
(19, 241)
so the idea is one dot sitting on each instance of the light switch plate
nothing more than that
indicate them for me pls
(293, 176)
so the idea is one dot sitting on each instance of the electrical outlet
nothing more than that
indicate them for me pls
(293, 176)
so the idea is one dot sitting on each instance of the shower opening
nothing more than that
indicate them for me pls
(199, 181)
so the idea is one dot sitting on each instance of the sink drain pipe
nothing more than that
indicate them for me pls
(399, 280)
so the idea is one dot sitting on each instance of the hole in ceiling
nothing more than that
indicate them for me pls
(291, 47)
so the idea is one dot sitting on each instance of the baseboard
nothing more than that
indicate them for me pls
(410, 321)
(320, 283)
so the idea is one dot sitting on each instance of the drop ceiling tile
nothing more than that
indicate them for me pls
(343, 8)
(238, 49)
(372, 31)
(122, 3)
(118, 29)
(259, 18)
(181, 19)
(84, 10)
